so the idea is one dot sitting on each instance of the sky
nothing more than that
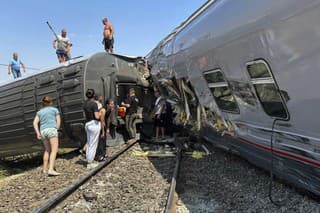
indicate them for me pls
(139, 25)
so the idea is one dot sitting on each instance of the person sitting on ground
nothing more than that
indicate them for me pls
(159, 114)
(92, 127)
(63, 46)
(14, 66)
(105, 114)
(49, 119)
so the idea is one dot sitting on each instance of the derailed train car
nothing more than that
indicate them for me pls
(245, 75)
(108, 74)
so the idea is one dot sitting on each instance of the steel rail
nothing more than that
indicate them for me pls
(173, 182)
(57, 198)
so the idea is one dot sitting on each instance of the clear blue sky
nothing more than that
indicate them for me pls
(139, 26)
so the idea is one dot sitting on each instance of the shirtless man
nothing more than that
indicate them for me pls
(108, 32)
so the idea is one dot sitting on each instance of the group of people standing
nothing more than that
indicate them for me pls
(98, 123)
(62, 45)
(97, 126)
(47, 124)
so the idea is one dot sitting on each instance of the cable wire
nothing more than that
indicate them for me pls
(278, 203)
(29, 68)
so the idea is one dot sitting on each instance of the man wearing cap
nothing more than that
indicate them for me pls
(63, 46)
(108, 32)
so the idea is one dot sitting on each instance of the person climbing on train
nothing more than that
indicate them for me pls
(131, 113)
(105, 114)
(108, 38)
(14, 66)
(49, 119)
(92, 127)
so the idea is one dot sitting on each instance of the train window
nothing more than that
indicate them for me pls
(221, 91)
(258, 70)
(214, 76)
(266, 89)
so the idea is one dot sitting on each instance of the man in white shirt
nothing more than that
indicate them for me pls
(63, 46)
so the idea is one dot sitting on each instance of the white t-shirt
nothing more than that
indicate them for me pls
(62, 43)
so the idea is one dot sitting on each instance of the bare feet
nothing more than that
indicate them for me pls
(53, 173)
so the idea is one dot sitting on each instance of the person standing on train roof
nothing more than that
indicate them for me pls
(108, 39)
(14, 66)
(63, 46)
(49, 119)
(92, 127)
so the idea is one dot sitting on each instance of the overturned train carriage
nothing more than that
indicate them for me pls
(249, 70)
(109, 75)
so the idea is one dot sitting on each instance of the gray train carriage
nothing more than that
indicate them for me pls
(254, 64)
(107, 74)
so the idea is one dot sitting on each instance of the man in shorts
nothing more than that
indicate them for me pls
(108, 32)
(63, 46)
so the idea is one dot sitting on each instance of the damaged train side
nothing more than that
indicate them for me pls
(244, 75)
(108, 74)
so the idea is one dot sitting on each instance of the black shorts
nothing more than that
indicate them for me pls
(108, 43)
(61, 54)
(160, 122)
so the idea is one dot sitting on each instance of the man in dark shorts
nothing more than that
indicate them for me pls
(108, 32)
(62, 47)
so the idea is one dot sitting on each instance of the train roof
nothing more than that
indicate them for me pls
(76, 60)
(182, 25)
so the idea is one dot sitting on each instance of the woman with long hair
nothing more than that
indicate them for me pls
(49, 119)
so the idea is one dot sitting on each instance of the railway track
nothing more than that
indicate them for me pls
(57, 198)
(148, 192)
(173, 181)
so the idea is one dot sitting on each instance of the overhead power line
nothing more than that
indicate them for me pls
(29, 68)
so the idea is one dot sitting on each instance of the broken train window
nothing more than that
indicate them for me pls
(266, 89)
(221, 91)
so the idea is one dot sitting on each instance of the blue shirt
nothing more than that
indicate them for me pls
(47, 116)
(15, 64)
